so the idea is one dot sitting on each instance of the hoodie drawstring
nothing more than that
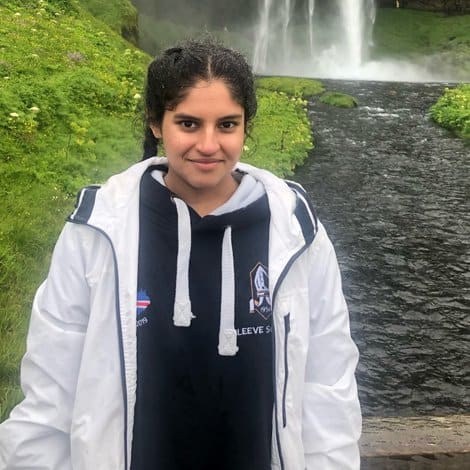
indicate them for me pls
(182, 314)
(227, 334)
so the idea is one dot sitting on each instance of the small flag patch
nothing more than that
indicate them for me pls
(143, 301)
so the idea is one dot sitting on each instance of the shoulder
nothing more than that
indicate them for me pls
(304, 211)
(288, 201)
(84, 204)
(115, 194)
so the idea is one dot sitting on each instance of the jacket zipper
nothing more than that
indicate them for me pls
(121, 341)
(275, 291)
(286, 368)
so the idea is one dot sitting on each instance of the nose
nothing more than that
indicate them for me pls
(208, 141)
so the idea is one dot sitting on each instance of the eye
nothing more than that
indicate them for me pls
(227, 125)
(187, 124)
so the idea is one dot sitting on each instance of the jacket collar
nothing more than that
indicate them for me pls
(114, 210)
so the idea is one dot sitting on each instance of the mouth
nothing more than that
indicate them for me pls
(205, 163)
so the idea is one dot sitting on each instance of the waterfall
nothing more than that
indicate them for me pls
(299, 37)
(286, 18)
(311, 11)
(351, 14)
(262, 36)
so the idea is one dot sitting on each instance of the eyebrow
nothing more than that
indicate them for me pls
(194, 118)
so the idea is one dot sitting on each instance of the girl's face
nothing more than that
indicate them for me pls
(203, 139)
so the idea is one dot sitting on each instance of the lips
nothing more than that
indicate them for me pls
(205, 164)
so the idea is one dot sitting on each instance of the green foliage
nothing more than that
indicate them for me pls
(410, 34)
(452, 110)
(341, 100)
(281, 136)
(304, 87)
(70, 93)
(120, 15)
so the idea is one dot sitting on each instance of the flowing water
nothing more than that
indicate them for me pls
(393, 190)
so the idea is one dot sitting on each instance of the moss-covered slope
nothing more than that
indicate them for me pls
(69, 87)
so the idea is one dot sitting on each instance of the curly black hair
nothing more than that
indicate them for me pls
(177, 69)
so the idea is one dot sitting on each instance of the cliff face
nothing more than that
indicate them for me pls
(448, 6)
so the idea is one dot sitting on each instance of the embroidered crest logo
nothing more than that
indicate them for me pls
(143, 301)
(260, 301)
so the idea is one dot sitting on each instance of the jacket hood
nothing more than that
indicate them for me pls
(111, 208)
(106, 206)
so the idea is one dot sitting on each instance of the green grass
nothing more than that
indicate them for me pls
(340, 100)
(452, 110)
(411, 34)
(120, 15)
(304, 87)
(281, 136)
(68, 103)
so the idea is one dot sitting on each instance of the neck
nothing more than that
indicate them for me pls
(203, 200)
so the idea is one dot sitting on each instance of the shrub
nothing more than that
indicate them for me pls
(340, 100)
(452, 110)
(281, 136)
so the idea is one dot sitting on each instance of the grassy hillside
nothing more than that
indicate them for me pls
(410, 34)
(119, 15)
(70, 96)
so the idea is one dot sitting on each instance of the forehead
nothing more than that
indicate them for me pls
(212, 96)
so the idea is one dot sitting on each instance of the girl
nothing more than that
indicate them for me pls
(193, 316)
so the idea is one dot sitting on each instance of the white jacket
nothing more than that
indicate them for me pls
(79, 372)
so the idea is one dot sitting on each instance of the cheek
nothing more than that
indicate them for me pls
(175, 145)
(236, 145)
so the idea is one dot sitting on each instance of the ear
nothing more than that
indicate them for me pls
(156, 131)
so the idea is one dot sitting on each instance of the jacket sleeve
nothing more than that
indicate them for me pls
(36, 435)
(331, 411)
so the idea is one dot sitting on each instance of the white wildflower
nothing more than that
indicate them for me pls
(137, 96)
(14, 115)
(34, 109)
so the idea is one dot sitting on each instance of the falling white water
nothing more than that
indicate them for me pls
(331, 44)
(351, 15)
(262, 36)
(311, 11)
(286, 18)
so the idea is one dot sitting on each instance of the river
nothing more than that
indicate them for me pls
(393, 190)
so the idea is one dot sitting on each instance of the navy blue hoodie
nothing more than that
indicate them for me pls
(195, 408)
